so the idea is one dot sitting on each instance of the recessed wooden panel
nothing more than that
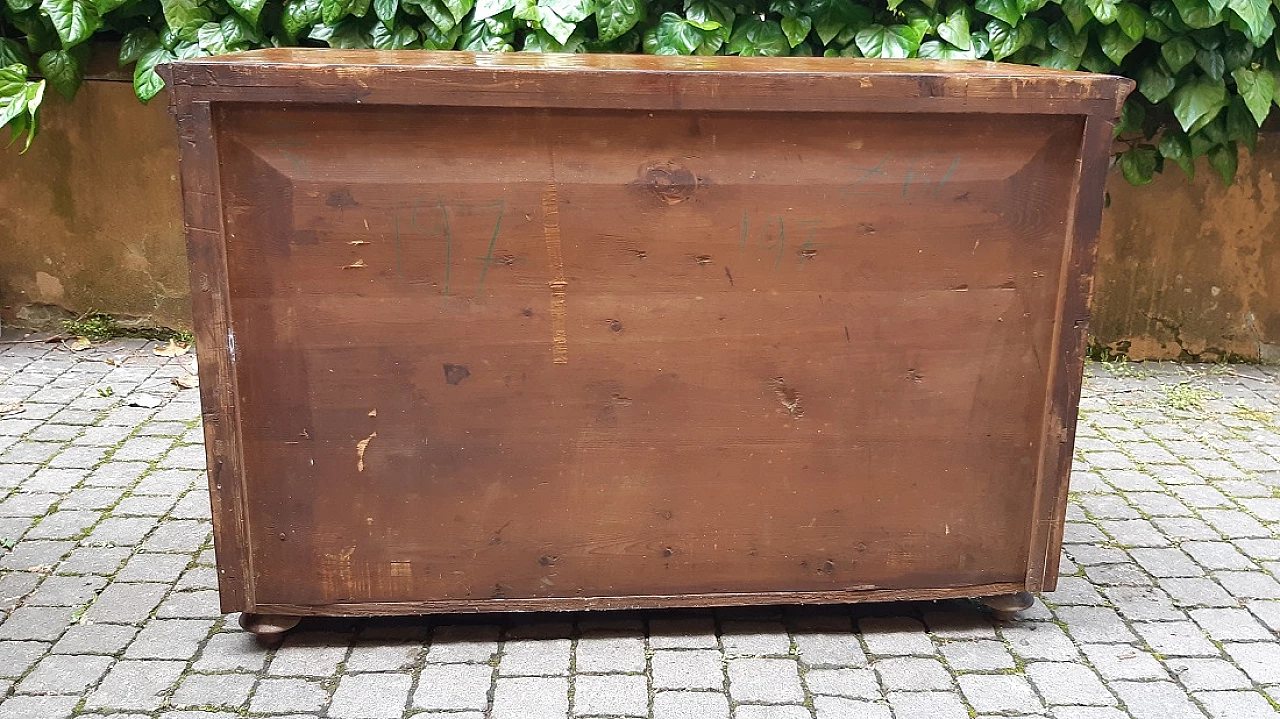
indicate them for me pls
(569, 352)
(760, 323)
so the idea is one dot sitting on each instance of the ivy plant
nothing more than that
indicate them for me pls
(1206, 69)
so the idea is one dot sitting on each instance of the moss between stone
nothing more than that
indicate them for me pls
(100, 326)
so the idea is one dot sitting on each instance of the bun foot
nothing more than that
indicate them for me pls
(268, 628)
(1005, 607)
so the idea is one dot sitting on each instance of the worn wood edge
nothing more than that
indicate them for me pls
(1062, 395)
(705, 97)
(1089, 209)
(831, 86)
(621, 62)
(210, 299)
(569, 604)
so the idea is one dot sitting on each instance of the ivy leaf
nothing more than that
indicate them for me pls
(1175, 146)
(1198, 102)
(1224, 159)
(1156, 31)
(1256, 14)
(1132, 20)
(1138, 165)
(13, 53)
(488, 36)
(753, 36)
(1106, 11)
(571, 11)
(555, 25)
(433, 38)
(1197, 14)
(1167, 14)
(919, 17)
(248, 9)
(105, 6)
(1095, 60)
(1208, 38)
(501, 24)
(955, 29)
(189, 50)
(832, 17)
(1115, 43)
(1007, 11)
(183, 14)
(386, 11)
(895, 41)
(385, 38)
(1077, 13)
(489, 8)
(540, 41)
(1212, 63)
(1240, 124)
(796, 28)
(300, 15)
(672, 36)
(459, 9)
(146, 83)
(63, 71)
(331, 11)
(1178, 52)
(1006, 40)
(1066, 39)
(716, 21)
(1258, 89)
(1155, 82)
(238, 33)
(211, 39)
(346, 35)
(1054, 58)
(74, 20)
(939, 50)
(443, 19)
(1132, 116)
(20, 102)
(615, 17)
(1237, 52)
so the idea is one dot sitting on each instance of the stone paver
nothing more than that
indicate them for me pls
(1168, 607)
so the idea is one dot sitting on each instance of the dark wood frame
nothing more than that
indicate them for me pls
(794, 85)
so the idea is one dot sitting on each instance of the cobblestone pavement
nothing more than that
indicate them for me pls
(1169, 606)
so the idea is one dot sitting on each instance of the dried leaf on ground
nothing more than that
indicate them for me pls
(186, 381)
(146, 401)
(78, 344)
(11, 408)
(173, 349)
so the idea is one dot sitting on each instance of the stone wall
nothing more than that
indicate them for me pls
(90, 217)
(1191, 270)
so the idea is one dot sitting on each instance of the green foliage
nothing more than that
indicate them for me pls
(1206, 69)
(99, 327)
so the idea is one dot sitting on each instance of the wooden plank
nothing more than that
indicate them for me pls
(766, 397)
(571, 604)
(1063, 396)
(211, 297)
(608, 332)
(638, 82)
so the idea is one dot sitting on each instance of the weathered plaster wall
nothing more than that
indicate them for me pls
(1191, 269)
(90, 220)
(90, 216)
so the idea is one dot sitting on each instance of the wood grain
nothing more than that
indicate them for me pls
(793, 85)
(519, 333)
(211, 297)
